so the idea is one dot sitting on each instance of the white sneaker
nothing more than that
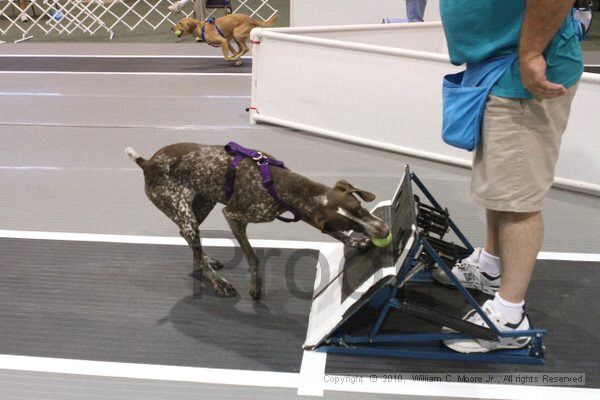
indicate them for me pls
(471, 274)
(483, 346)
(24, 18)
(175, 8)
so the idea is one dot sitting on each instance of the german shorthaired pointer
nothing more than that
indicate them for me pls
(186, 180)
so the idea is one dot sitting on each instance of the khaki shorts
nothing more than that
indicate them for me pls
(514, 163)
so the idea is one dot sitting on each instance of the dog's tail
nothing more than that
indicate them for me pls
(135, 157)
(270, 22)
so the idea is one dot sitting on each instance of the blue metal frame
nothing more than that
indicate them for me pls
(430, 344)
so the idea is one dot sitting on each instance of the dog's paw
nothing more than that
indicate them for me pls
(256, 294)
(256, 288)
(215, 264)
(224, 288)
(362, 243)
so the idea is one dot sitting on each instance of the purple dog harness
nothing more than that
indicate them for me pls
(264, 163)
(210, 20)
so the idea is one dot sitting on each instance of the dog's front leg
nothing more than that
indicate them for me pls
(225, 49)
(238, 229)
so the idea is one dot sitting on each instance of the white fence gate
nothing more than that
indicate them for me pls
(380, 86)
(92, 17)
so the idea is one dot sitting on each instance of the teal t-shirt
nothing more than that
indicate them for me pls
(484, 29)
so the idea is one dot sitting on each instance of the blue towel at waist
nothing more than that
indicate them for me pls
(464, 98)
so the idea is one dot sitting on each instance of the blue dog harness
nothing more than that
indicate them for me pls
(239, 153)
(211, 20)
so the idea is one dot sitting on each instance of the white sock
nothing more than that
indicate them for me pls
(183, 2)
(490, 263)
(512, 312)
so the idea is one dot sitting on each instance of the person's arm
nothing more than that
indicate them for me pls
(542, 20)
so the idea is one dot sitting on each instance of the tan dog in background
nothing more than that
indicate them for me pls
(221, 32)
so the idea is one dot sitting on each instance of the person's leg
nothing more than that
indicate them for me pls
(491, 242)
(177, 6)
(516, 180)
(513, 169)
(23, 6)
(421, 5)
(415, 10)
(520, 239)
(200, 9)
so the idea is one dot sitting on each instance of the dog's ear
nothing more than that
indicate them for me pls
(343, 186)
(346, 187)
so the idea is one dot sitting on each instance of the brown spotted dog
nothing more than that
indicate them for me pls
(186, 180)
(223, 32)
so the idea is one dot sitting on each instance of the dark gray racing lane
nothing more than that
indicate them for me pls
(134, 303)
(593, 69)
(116, 64)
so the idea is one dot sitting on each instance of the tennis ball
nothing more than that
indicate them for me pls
(178, 33)
(382, 242)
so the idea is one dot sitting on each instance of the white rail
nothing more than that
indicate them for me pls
(338, 44)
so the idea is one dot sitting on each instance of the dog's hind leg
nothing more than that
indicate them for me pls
(238, 229)
(232, 48)
(176, 203)
(240, 35)
(236, 55)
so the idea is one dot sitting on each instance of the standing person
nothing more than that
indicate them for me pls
(415, 10)
(23, 6)
(525, 116)
(199, 8)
